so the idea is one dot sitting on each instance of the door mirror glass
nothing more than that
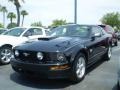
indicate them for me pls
(95, 35)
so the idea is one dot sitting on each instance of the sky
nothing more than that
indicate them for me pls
(88, 12)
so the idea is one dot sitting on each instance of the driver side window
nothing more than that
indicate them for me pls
(28, 33)
(96, 30)
(33, 31)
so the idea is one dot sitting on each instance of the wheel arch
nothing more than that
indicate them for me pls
(6, 45)
(83, 51)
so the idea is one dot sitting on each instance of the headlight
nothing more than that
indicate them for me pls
(61, 57)
(17, 53)
(39, 55)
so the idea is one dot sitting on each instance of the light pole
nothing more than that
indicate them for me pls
(75, 12)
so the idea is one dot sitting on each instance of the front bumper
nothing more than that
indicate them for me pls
(41, 70)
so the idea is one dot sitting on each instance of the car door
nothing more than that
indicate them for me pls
(96, 46)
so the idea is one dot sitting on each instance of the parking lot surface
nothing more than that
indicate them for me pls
(101, 76)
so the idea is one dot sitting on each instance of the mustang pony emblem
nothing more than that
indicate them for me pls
(26, 54)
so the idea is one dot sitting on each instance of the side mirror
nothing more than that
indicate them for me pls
(95, 35)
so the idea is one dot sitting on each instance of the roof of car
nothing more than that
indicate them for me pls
(79, 24)
(28, 27)
(103, 25)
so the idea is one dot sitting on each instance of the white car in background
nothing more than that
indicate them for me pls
(16, 36)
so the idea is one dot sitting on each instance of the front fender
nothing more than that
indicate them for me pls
(74, 51)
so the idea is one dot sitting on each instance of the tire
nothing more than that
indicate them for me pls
(79, 68)
(112, 43)
(116, 43)
(5, 55)
(118, 87)
(108, 54)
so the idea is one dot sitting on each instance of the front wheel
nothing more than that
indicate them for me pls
(108, 54)
(79, 68)
(5, 55)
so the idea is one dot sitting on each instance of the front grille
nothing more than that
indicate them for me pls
(30, 56)
(27, 56)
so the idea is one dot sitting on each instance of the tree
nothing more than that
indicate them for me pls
(37, 24)
(23, 13)
(11, 16)
(11, 25)
(56, 23)
(0, 6)
(112, 19)
(4, 10)
(17, 5)
(1, 26)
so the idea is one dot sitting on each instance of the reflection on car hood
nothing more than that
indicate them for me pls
(51, 44)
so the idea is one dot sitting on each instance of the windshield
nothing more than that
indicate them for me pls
(80, 31)
(15, 32)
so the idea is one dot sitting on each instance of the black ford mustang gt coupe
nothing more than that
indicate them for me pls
(67, 53)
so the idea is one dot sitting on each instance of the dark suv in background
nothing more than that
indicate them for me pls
(111, 31)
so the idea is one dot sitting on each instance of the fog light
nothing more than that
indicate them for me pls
(16, 53)
(60, 57)
(39, 55)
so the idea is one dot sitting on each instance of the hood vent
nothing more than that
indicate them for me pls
(46, 38)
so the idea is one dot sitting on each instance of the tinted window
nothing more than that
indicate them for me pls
(14, 32)
(1, 31)
(37, 31)
(109, 29)
(81, 31)
(96, 30)
(33, 31)
(60, 31)
(102, 30)
(47, 32)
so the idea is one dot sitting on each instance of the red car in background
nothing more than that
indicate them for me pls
(111, 31)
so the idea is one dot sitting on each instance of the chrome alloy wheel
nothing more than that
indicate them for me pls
(6, 55)
(109, 52)
(80, 68)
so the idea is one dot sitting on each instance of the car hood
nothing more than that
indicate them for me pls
(6, 37)
(51, 44)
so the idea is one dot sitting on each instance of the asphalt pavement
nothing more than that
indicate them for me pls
(101, 76)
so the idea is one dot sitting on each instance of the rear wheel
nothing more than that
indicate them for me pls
(118, 86)
(116, 43)
(5, 55)
(79, 68)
